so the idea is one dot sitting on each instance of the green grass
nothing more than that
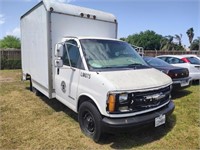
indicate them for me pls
(31, 122)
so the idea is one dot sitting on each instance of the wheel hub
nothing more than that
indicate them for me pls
(89, 122)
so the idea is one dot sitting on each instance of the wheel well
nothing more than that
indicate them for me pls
(84, 99)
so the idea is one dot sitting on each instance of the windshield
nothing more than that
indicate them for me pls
(194, 60)
(156, 62)
(104, 54)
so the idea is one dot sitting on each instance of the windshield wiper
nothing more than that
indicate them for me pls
(135, 64)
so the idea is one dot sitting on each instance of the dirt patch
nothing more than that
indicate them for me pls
(6, 79)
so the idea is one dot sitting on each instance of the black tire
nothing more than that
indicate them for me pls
(33, 89)
(31, 85)
(36, 92)
(90, 121)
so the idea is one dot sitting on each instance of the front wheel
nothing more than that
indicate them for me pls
(90, 121)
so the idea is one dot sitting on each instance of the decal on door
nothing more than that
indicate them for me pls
(63, 86)
(85, 75)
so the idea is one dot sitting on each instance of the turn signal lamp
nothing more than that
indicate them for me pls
(111, 103)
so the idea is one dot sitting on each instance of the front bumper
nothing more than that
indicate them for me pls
(181, 83)
(139, 119)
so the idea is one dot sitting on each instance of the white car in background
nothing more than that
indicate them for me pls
(193, 59)
(185, 61)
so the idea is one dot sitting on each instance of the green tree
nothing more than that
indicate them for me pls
(10, 42)
(149, 40)
(123, 39)
(190, 34)
(163, 43)
(168, 44)
(178, 38)
(195, 45)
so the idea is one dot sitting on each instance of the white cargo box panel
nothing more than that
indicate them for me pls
(45, 25)
(35, 48)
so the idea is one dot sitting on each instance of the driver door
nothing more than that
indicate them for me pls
(67, 77)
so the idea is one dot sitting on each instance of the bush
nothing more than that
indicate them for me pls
(10, 64)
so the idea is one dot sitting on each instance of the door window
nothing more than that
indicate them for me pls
(173, 60)
(74, 55)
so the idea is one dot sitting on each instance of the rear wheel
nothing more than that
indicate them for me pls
(33, 89)
(36, 92)
(90, 121)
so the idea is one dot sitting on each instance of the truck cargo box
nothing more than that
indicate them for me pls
(45, 25)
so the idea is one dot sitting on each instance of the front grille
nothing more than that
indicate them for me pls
(146, 100)
(178, 73)
(141, 101)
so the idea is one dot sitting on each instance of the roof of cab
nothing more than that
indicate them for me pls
(69, 9)
(93, 38)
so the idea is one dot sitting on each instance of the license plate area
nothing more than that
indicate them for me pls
(160, 120)
(184, 83)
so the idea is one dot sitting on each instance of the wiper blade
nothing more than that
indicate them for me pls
(102, 67)
(135, 64)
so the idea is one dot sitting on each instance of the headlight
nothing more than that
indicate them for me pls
(118, 103)
(123, 98)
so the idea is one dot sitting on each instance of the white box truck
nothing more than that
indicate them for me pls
(72, 54)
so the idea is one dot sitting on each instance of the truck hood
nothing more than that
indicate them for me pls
(136, 79)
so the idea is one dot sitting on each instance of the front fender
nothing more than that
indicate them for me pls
(90, 97)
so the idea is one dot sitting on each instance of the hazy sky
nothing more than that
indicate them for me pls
(165, 17)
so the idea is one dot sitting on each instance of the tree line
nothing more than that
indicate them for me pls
(10, 42)
(148, 39)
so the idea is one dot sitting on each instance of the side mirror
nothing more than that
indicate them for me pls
(59, 50)
(58, 63)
